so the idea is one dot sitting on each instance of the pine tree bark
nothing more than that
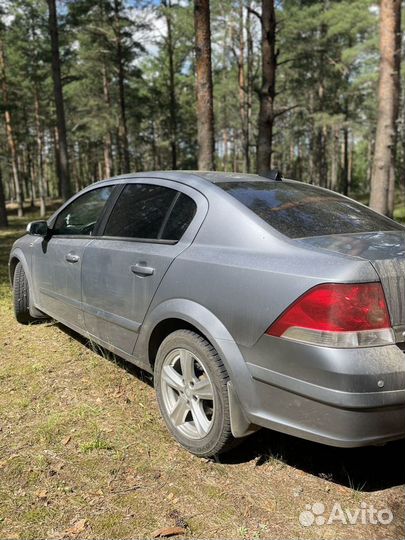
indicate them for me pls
(243, 91)
(55, 143)
(3, 210)
(63, 156)
(250, 81)
(10, 134)
(268, 88)
(345, 175)
(205, 102)
(108, 166)
(123, 127)
(40, 153)
(386, 123)
(172, 87)
(396, 108)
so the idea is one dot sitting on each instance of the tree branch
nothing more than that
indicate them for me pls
(251, 10)
(284, 110)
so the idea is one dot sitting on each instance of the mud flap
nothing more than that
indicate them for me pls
(240, 425)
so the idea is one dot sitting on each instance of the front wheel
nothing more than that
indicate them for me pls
(21, 296)
(191, 386)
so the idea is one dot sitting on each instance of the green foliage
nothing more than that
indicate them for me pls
(326, 87)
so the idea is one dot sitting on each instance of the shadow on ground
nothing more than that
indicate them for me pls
(362, 469)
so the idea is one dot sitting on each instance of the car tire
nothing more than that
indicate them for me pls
(21, 296)
(188, 372)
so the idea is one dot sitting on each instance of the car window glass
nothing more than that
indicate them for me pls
(80, 217)
(299, 210)
(180, 218)
(140, 211)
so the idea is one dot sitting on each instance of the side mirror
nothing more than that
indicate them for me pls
(38, 228)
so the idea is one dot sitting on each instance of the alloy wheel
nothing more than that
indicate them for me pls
(187, 393)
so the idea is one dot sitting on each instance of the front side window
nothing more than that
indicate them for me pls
(151, 212)
(299, 210)
(80, 217)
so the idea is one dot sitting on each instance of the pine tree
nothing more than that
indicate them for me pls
(204, 87)
(387, 107)
(63, 156)
(268, 88)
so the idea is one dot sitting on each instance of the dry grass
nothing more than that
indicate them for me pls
(84, 453)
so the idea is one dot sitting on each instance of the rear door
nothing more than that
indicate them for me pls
(57, 260)
(151, 223)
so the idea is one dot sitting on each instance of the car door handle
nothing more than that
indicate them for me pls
(70, 257)
(141, 270)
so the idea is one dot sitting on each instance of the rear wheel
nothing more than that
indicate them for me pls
(191, 386)
(21, 296)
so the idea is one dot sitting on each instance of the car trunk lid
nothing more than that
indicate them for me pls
(386, 252)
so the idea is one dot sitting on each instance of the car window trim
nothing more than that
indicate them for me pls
(168, 214)
(105, 214)
(119, 238)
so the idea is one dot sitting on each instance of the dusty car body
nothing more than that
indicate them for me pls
(249, 254)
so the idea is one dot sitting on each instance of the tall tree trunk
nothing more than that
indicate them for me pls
(123, 127)
(242, 91)
(40, 153)
(64, 175)
(118, 162)
(335, 159)
(268, 88)
(172, 87)
(205, 102)
(250, 81)
(10, 133)
(55, 140)
(345, 157)
(396, 107)
(386, 123)
(108, 168)
(3, 211)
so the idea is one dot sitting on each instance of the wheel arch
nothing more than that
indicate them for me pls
(12, 266)
(17, 256)
(178, 314)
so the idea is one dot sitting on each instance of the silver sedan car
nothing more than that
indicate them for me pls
(254, 301)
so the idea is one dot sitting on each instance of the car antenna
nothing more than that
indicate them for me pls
(273, 174)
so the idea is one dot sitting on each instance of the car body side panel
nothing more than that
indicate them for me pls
(214, 330)
(248, 290)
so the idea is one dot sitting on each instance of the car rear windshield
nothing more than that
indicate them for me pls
(299, 210)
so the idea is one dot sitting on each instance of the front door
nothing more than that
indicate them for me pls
(147, 229)
(57, 260)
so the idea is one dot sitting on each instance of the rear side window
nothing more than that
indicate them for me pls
(180, 217)
(150, 212)
(300, 210)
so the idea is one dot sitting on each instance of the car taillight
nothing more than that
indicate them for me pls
(338, 315)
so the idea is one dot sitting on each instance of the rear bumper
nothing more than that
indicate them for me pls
(339, 397)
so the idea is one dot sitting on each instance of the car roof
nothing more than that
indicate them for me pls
(186, 177)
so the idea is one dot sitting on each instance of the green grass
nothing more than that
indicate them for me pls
(81, 438)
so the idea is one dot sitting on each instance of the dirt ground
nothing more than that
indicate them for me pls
(85, 454)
